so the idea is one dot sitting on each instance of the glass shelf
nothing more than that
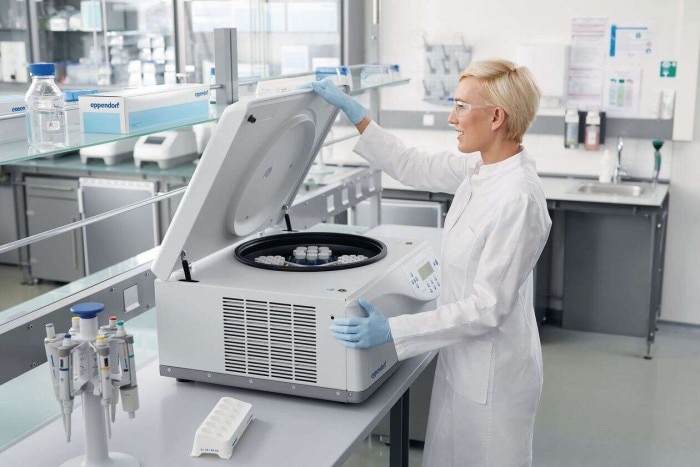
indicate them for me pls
(17, 151)
(395, 82)
(72, 162)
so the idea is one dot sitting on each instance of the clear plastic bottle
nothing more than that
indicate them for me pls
(46, 115)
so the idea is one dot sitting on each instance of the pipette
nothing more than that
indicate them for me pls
(51, 343)
(128, 387)
(102, 349)
(74, 326)
(65, 376)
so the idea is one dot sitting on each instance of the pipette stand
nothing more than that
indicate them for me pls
(95, 436)
(95, 428)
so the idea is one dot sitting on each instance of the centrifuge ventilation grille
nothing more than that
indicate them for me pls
(273, 340)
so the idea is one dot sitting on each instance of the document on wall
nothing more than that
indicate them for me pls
(622, 90)
(631, 42)
(586, 62)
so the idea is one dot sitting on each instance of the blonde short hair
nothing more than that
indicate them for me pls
(504, 84)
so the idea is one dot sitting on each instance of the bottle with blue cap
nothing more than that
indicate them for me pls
(46, 116)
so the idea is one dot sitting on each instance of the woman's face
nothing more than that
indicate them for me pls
(473, 125)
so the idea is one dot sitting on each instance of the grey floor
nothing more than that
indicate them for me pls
(12, 292)
(603, 405)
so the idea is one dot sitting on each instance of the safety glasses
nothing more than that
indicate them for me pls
(462, 108)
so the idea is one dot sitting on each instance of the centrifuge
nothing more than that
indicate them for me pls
(239, 308)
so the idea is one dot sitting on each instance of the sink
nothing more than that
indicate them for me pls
(621, 189)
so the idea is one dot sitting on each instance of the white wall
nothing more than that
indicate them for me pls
(495, 34)
(681, 292)
(495, 29)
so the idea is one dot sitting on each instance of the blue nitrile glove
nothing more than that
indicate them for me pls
(330, 92)
(363, 333)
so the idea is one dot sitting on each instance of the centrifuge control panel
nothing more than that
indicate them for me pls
(423, 277)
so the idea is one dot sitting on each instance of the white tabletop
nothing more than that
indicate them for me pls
(287, 430)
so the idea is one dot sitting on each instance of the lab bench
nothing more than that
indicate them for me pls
(602, 268)
(608, 254)
(287, 430)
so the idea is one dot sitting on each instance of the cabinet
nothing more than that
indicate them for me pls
(51, 203)
(84, 191)
(613, 269)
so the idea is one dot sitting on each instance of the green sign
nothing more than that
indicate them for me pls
(668, 69)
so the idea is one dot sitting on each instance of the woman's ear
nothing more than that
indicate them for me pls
(498, 118)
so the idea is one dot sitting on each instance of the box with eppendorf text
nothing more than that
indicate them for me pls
(143, 108)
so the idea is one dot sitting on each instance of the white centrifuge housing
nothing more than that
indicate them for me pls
(231, 315)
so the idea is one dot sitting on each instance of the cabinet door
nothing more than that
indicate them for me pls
(124, 236)
(608, 273)
(51, 203)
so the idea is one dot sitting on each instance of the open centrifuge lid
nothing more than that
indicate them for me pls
(252, 167)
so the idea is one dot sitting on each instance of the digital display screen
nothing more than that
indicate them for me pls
(425, 271)
(155, 140)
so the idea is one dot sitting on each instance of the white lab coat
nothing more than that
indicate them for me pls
(489, 373)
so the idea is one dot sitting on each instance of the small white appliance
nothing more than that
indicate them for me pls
(111, 153)
(255, 313)
(167, 148)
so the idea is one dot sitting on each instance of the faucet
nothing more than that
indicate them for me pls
(618, 171)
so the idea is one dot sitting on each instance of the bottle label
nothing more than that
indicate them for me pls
(591, 136)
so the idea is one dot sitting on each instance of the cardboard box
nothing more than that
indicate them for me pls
(143, 108)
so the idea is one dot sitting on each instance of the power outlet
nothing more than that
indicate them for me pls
(428, 120)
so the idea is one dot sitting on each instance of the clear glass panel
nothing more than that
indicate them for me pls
(43, 272)
(13, 41)
(274, 37)
(103, 42)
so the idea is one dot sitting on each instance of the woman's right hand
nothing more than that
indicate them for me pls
(331, 94)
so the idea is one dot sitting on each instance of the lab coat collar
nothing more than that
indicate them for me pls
(480, 176)
(486, 171)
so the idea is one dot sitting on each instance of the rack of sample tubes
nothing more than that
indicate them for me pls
(311, 255)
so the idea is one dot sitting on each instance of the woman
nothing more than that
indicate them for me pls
(489, 373)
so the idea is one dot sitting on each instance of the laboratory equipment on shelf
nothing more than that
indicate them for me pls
(46, 115)
(99, 365)
(167, 148)
(111, 153)
(254, 313)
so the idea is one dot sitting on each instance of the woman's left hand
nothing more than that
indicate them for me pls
(363, 333)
